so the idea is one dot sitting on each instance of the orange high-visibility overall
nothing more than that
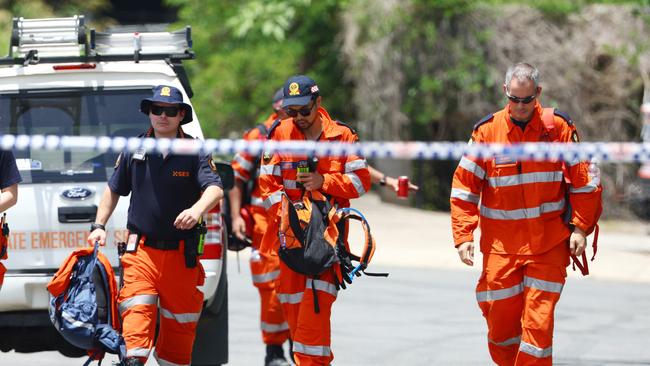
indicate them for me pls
(265, 267)
(523, 233)
(153, 276)
(344, 178)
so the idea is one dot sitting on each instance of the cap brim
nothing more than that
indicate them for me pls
(299, 101)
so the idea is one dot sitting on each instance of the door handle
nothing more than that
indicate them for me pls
(76, 214)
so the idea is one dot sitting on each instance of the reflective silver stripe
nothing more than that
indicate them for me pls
(181, 318)
(138, 352)
(270, 170)
(266, 277)
(162, 362)
(535, 351)
(273, 199)
(289, 184)
(507, 342)
(311, 350)
(472, 167)
(543, 285)
(322, 286)
(356, 181)
(147, 299)
(241, 177)
(526, 178)
(290, 298)
(493, 295)
(257, 201)
(353, 165)
(522, 213)
(243, 162)
(590, 187)
(274, 328)
(464, 195)
(74, 322)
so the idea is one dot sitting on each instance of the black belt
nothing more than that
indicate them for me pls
(162, 244)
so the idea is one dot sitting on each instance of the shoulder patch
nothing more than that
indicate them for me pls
(483, 120)
(275, 124)
(346, 125)
(564, 116)
(212, 165)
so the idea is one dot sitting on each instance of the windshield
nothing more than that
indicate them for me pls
(71, 112)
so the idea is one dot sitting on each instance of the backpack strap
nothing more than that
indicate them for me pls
(275, 124)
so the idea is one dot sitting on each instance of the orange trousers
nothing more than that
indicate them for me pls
(265, 269)
(155, 277)
(517, 295)
(309, 330)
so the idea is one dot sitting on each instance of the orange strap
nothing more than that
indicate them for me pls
(582, 263)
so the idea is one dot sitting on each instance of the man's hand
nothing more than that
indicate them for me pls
(577, 242)
(394, 184)
(187, 219)
(239, 227)
(97, 235)
(466, 252)
(312, 181)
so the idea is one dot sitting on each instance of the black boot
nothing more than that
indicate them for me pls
(275, 356)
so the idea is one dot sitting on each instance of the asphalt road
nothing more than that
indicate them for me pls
(429, 317)
(425, 313)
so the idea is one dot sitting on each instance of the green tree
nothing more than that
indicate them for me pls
(247, 49)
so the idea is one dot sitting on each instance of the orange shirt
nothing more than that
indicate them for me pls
(243, 163)
(345, 177)
(521, 204)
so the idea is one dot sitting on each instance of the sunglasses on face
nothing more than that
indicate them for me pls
(516, 100)
(169, 111)
(304, 111)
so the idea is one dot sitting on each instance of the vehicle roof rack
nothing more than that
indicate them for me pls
(61, 40)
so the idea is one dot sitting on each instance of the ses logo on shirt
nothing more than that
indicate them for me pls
(180, 173)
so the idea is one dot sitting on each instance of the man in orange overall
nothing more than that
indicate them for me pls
(169, 193)
(9, 179)
(341, 178)
(526, 240)
(265, 268)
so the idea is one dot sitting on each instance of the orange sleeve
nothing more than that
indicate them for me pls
(353, 182)
(465, 195)
(243, 163)
(585, 190)
(270, 183)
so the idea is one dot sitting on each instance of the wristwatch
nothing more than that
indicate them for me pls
(382, 181)
(94, 226)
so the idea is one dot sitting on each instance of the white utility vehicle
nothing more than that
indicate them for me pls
(62, 79)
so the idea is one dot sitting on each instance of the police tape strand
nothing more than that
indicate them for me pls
(615, 152)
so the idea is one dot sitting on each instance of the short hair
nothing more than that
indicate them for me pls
(522, 71)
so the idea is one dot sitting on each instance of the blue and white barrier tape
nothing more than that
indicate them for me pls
(617, 152)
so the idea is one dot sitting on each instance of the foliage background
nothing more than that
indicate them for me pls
(409, 69)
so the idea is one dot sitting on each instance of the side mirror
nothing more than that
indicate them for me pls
(226, 174)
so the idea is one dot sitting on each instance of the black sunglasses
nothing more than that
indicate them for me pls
(169, 111)
(304, 111)
(525, 100)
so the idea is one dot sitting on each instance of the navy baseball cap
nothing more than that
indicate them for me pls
(299, 90)
(279, 94)
(167, 94)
